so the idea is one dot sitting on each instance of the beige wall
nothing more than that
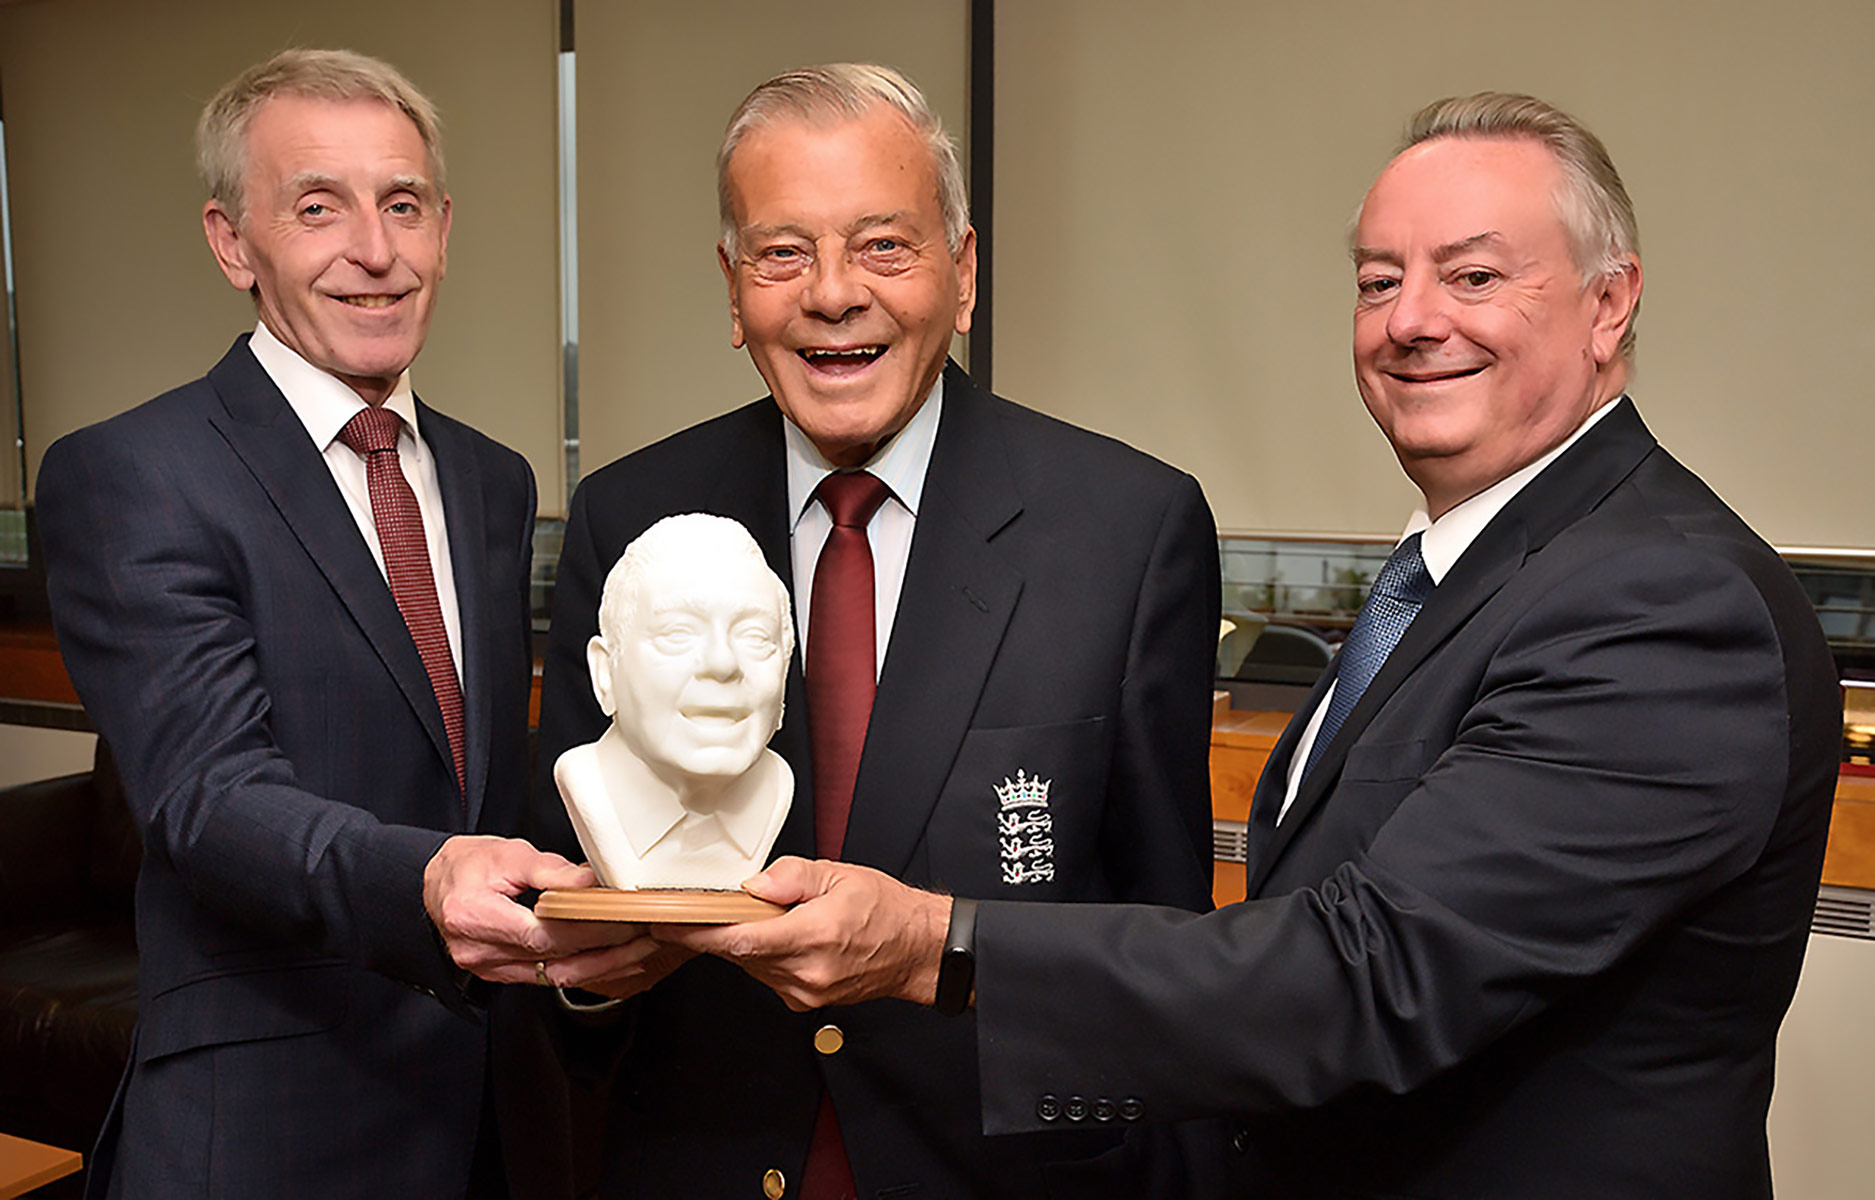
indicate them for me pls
(1818, 1126)
(657, 83)
(119, 297)
(1173, 185)
(27, 754)
(1174, 182)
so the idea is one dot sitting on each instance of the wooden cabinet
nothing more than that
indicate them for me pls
(1850, 860)
(1241, 742)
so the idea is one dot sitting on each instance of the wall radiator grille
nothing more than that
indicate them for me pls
(1230, 841)
(1845, 912)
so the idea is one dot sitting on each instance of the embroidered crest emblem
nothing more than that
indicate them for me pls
(1025, 829)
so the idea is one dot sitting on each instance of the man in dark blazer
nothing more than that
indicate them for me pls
(1527, 923)
(1040, 726)
(301, 782)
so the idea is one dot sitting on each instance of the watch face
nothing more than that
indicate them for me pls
(957, 970)
(956, 974)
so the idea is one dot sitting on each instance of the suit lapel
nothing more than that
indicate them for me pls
(1267, 800)
(1559, 496)
(1457, 597)
(958, 597)
(264, 433)
(459, 477)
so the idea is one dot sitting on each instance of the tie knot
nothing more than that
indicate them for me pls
(851, 497)
(1404, 576)
(374, 428)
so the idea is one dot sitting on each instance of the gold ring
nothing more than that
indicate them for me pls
(540, 974)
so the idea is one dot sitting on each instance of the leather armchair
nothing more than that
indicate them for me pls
(68, 955)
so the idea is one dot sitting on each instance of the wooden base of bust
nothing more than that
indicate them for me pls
(659, 906)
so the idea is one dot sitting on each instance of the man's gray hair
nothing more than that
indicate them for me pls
(835, 92)
(623, 583)
(1593, 203)
(221, 134)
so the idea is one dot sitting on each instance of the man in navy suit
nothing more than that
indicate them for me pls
(313, 672)
(1032, 673)
(1534, 865)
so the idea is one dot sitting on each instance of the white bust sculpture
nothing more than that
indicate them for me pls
(690, 662)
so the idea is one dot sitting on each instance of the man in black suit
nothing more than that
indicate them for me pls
(1526, 911)
(313, 672)
(1039, 624)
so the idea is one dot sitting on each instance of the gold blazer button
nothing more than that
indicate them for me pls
(828, 1039)
(773, 1184)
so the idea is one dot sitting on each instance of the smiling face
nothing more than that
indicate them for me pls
(1477, 349)
(343, 237)
(843, 288)
(693, 676)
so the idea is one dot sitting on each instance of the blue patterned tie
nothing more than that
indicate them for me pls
(1392, 603)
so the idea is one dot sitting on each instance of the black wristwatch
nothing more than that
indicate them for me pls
(957, 970)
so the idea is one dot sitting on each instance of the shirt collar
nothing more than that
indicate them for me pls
(649, 819)
(1444, 540)
(900, 464)
(322, 401)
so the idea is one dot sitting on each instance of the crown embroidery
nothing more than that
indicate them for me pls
(1025, 829)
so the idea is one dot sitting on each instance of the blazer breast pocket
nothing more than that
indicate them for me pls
(1019, 817)
(1376, 777)
(1381, 762)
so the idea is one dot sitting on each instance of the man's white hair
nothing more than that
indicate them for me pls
(836, 92)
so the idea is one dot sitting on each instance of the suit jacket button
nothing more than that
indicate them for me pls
(1240, 1141)
(1076, 1108)
(1048, 1108)
(1105, 1109)
(774, 1183)
(828, 1039)
(1132, 1108)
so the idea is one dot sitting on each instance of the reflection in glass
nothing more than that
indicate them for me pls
(1289, 603)
(1290, 600)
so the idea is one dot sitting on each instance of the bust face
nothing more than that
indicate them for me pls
(694, 679)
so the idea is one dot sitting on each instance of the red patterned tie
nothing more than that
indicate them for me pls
(842, 656)
(842, 674)
(373, 434)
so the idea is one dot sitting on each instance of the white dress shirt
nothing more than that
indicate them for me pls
(901, 465)
(1441, 542)
(324, 403)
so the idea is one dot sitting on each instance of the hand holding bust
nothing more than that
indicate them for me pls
(690, 662)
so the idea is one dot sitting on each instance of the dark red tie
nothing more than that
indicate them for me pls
(842, 674)
(373, 434)
(842, 656)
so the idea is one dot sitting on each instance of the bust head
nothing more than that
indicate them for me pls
(691, 659)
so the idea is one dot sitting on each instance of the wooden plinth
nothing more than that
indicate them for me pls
(655, 906)
(26, 1165)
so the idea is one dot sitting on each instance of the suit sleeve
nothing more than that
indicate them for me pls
(1156, 838)
(1626, 755)
(151, 623)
